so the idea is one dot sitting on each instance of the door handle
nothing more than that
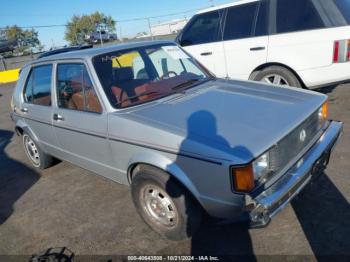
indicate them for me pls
(206, 53)
(258, 48)
(58, 117)
(24, 110)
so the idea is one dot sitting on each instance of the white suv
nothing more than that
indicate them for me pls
(301, 43)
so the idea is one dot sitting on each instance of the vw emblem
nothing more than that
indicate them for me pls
(302, 136)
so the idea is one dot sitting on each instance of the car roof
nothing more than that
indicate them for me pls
(234, 3)
(89, 53)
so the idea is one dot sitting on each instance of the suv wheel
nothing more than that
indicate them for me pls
(36, 156)
(164, 204)
(277, 75)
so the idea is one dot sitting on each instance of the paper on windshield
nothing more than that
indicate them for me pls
(175, 52)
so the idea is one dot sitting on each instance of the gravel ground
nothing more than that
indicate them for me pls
(66, 206)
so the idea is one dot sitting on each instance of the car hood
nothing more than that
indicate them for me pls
(223, 119)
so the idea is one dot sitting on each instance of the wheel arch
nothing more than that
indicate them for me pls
(164, 164)
(21, 127)
(263, 66)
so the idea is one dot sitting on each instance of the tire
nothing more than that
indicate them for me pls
(37, 157)
(165, 205)
(273, 74)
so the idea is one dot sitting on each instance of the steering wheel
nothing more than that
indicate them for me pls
(168, 74)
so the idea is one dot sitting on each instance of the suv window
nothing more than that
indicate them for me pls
(75, 90)
(240, 21)
(204, 28)
(297, 15)
(38, 86)
(261, 28)
(344, 8)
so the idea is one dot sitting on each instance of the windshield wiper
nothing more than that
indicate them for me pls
(137, 96)
(187, 83)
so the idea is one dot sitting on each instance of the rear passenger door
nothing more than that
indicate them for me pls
(202, 38)
(300, 37)
(37, 105)
(79, 120)
(246, 38)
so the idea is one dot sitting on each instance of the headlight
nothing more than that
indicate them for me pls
(261, 166)
(246, 178)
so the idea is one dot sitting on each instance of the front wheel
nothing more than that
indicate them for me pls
(277, 75)
(164, 204)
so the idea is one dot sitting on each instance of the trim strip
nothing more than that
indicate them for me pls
(126, 141)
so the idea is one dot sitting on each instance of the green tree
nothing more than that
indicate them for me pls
(26, 39)
(80, 26)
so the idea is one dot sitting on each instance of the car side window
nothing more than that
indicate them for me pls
(38, 86)
(240, 21)
(297, 15)
(204, 28)
(75, 90)
(261, 27)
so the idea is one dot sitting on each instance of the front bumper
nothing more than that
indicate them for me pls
(274, 199)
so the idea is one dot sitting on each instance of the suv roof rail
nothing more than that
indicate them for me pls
(64, 50)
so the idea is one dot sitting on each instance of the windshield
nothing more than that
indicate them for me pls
(137, 76)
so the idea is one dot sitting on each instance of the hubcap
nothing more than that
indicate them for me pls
(31, 150)
(275, 80)
(159, 206)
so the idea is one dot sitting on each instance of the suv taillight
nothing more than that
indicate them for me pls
(341, 51)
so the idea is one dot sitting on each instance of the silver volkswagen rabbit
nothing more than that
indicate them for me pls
(150, 116)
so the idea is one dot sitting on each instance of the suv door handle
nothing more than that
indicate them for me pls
(258, 48)
(58, 117)
(24, 110)
(206, 54)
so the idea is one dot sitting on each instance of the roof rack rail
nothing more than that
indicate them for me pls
(64, 50)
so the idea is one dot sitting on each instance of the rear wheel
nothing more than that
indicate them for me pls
(164, 204)
(37, 157)
(278, 75)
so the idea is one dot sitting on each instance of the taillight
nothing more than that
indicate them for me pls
(336, 52)
(341, 51)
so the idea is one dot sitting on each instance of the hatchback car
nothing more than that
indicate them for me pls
(300, 43)
(149, 116)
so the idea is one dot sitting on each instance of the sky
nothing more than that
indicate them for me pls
(26, 13)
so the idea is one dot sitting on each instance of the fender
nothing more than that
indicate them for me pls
(164, 163)
(20, 123)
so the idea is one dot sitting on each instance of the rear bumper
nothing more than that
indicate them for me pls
(274, 199)
(318, 77)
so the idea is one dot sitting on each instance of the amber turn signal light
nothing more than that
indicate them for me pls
(243, 179)
(324, 110)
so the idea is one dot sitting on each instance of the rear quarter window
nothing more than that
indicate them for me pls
(344, 8)
(297, 15)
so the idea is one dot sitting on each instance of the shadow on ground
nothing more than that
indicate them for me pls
(15, 178)
(324, 215)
